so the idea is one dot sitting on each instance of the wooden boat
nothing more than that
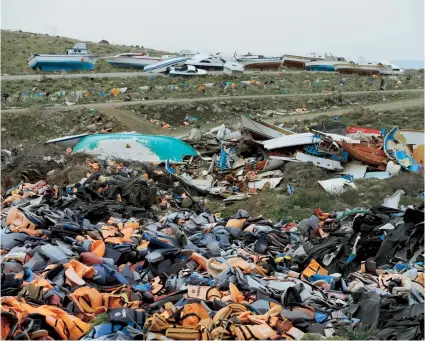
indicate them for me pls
(362, 67)
(298, 62)
(364, 153)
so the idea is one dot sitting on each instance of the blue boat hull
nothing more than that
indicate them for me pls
(63, 66)
(320, 68)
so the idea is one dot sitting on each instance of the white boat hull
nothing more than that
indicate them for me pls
(132, 62)
(164, 64)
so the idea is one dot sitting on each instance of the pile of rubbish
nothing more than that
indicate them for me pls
(236, 164)
(125, 255)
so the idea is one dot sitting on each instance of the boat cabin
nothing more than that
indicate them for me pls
(78, 48)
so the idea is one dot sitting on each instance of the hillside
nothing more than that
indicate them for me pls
(16, 47)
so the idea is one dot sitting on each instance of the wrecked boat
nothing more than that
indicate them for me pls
(369, 155)
(135, 147)
(298, 61)
(326, 64)
(408, 155)
(233, 68)
(261, 130)
(75, 58)
(162, 65)
(362, 67)
(206, 62)
(258, 61)
(132, 60)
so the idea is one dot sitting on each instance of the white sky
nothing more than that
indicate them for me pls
(374, 29)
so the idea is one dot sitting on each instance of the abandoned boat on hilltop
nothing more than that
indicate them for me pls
(206, 62)
(326, 64)
(251, 61)
(132, 60)
(298, 61)
(390, 69)
(74, 59)
(362, 67)
(163, 65)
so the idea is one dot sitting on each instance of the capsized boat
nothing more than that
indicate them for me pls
(326, 64)
(206, 62)
(362, 67)
(258, 61)
(186, 71)
(410, 156)
(298, 61)
(75, 58)
(132, 60)
(163, 65)
(135, 147)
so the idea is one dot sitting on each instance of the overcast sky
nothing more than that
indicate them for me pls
(377, 29)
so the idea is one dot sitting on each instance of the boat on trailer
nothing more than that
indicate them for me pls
(132, 60)
(74, 59)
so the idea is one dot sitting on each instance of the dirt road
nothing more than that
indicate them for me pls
(412, 103)
(138, 124)
(207, 99)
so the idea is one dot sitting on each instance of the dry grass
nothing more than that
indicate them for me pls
(18, 46)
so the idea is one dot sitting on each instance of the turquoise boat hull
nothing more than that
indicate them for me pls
(135, 147)
(320, 68)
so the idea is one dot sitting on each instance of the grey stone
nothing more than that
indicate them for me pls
(3, 129)
(200, 109)
(91, 127)
(187, 202)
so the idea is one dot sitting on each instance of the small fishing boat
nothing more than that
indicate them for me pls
(186, 71)
(326, 64)
(163, 65)
(251, 61)
(408, 155)
(206, 62)
(362, 67)
(75, 58)
(132, 60)
(298, 61)
(369, 155)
